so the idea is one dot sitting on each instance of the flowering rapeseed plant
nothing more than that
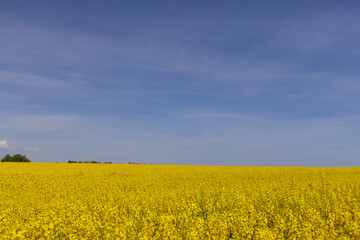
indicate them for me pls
(93, 201)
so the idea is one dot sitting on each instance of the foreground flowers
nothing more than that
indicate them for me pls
(99, 201)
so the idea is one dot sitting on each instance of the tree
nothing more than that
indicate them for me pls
(15, 158)
(20, 158)
(7, 158)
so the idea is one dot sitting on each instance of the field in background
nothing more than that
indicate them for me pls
(100, 201)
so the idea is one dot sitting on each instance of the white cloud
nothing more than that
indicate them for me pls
(4, 144)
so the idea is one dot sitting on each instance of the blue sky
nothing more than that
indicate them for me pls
(181, 82)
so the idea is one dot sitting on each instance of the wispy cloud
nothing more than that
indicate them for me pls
(38, 122)
(150, 55)
(32, 149)
(320, 30)
(216, 115)
(30, 80)
(20, 87)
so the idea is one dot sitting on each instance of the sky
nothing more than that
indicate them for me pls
(234, 83)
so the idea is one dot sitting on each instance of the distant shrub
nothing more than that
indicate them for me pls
(15, 158)
(71, 161)
(91, 162)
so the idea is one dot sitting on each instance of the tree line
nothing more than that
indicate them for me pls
(71, 161)
(15, 158)
(23, 158)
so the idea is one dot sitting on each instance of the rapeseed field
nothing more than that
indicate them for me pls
(124, 201)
